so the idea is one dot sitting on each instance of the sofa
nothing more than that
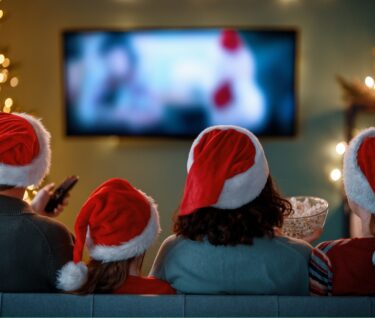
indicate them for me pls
(61, 305)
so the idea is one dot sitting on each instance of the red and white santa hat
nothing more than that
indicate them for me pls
(117, 222)
(359, 170)
(25, 153)
(226, 167)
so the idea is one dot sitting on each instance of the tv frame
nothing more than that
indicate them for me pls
(297, 48)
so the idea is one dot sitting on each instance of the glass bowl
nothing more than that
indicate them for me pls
(309, 213)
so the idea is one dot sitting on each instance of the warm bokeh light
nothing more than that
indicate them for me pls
(3, 77)
(1, 13)
(369, 81)
(341, 147)
(6, 109)
(335, 175)
(2, 58)
(6, 62)
(14, 81)
(8, 102)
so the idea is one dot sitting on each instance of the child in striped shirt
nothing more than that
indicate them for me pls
(347, 266)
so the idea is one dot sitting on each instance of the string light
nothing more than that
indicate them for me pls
(369, 82)
(14, 81)
(8, 102)
(6, 109)
(6, 62)
(7, 73)
(335, 175)
(3, 76)
(341, 148)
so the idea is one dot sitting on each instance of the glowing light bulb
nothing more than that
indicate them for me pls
(6, 62)
(6, 109)
(8, 102)
(335, 175)
(3, 77)
(369, 81)
(1, 13)
(14, 82)
(341, 148)
(2, 58)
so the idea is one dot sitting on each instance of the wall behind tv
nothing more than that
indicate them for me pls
(336, 37)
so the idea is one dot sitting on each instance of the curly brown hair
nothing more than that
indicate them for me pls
(257, 218)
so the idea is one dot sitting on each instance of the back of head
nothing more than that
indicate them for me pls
(359, 170)
(229, 196)
(118, 222)
(25, 153)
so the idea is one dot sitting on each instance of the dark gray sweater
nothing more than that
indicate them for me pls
(33, 248)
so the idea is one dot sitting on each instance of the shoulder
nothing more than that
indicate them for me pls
(160, 286)
(145, 285)
(294, 245)
(170, 243)
(327, 247)
(53, 231)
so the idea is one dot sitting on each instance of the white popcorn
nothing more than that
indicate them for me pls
(309, 214)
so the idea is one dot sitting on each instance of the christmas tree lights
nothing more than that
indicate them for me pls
(7, 80)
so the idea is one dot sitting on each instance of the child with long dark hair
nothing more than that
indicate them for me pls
(225, 239)
(118, 223)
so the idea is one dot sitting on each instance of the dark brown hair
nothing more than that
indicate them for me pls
(106, 277)
(237, 226)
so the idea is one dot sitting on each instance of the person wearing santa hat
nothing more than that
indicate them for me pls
(118, 223)
(225, 240)
(347, 266)
(34, 246)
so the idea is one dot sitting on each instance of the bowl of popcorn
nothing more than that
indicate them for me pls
(309, 213)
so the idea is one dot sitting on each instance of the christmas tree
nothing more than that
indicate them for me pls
(7, 78)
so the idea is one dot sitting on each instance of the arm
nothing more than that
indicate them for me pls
(61, 243)
(158, 267)
(320, 272)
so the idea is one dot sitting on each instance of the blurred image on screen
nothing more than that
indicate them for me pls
(177, 82)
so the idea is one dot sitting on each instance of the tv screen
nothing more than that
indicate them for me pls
(177, 82)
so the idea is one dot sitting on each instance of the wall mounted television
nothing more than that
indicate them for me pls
(176, 82)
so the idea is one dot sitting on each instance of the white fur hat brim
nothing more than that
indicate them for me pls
(33, 173)
(356, 185)
(244, 187)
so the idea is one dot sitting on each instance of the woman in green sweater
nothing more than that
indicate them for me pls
(225, 240)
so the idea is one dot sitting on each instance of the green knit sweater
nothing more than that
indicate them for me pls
(277, 266)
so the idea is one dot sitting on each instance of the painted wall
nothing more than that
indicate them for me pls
(336, 37)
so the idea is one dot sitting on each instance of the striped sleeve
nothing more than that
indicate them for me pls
(320, 270)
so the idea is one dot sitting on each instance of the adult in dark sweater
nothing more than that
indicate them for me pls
(34, 246)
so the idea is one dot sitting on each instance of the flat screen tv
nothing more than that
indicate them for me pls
(176, 82)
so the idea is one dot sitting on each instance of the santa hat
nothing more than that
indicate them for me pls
(226, 167)
(359, 170)
(25, 154)
(117, 222)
